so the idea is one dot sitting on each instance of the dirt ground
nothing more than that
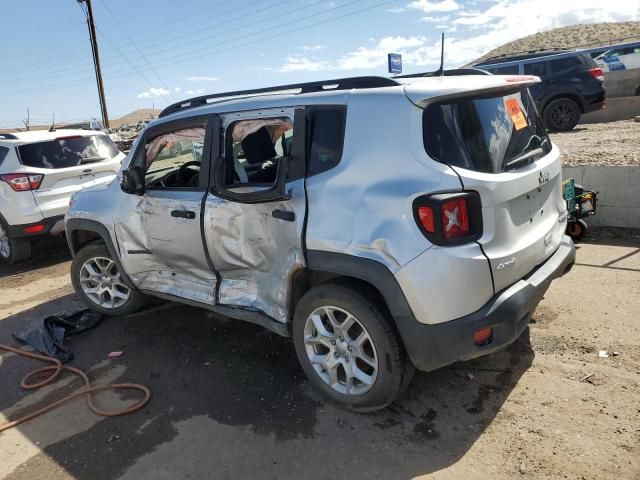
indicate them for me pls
(600, 144)
(229, 400)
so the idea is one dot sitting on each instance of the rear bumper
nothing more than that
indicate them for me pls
(52, 226)
(508, 313)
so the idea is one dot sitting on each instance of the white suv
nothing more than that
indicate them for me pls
(39, 171)
(384, 224)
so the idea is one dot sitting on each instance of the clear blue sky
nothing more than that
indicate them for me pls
(158, 51)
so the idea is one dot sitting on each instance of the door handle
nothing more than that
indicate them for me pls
(284, 215)
(183, 214)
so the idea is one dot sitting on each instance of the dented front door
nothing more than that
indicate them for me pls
(256, 248)
(159, 233)
(161, 244)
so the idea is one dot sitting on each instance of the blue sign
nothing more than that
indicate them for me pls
(395, 63)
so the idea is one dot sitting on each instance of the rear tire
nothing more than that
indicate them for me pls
(12, 250)
(561, 115)
(97, 281)
(577, 230)
(361, 366)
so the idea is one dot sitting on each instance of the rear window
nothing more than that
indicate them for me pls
(485, 133)
(70, 151)
(327, 137)
(3, 153)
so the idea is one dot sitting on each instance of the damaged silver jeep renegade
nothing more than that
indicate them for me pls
(384, 224)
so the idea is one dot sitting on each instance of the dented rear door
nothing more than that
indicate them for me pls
(256, 248)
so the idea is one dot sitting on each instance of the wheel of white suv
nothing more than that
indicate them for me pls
(96, 279)
(349, 349)
(12, 250)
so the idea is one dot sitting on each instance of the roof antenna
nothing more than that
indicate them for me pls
(441, 69)
(53, 122)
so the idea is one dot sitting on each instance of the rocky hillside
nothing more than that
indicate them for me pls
(574, 36)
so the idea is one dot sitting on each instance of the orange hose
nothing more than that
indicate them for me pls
(56, 370)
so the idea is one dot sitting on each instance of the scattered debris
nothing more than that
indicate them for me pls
(48, 338)
(603, 354)
(115, 354)
(587, 378)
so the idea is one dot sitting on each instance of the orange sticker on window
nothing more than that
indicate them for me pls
(517, 117)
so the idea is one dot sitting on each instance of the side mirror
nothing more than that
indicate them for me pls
(133, 180)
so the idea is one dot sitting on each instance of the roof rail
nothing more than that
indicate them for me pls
(446, 73)
(8, 136)
(324, 85)
(523, 55)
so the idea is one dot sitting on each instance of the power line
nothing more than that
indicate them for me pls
(137, 49)
(218, 16)
(121, 74)
(63, 74)
(144, 77)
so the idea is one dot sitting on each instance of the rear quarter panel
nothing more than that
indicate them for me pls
(363, 207)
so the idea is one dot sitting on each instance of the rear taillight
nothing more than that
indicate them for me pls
(597, 73)
(22, 182)
(34, 228)
(449, 218)
(426, 218)
(455, 218)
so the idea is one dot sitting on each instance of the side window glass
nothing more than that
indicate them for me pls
(563, 64)
(3, 153)
(538, 69)
(172, 160)
(254, 149)
(326, 138)
(509, 70)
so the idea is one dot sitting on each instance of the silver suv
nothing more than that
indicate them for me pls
(39, 170)
(384, 224)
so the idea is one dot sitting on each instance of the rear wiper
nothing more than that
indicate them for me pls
(525, 158)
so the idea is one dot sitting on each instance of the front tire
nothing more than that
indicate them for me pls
(349, 348)
(98, 282)
(561, 115)
(13, 250)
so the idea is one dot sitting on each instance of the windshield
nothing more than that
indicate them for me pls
(485, 133)
(70, 151)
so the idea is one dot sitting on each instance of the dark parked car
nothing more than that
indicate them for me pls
(572, 83)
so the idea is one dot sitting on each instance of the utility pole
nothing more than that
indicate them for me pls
(96, 62)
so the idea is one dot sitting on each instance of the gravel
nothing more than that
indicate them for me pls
(607, 144)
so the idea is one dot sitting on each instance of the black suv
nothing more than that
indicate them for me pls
(572, 83)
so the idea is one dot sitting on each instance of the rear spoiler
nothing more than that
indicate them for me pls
(422, 97)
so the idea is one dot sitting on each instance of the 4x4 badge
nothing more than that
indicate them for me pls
(506, 263)
(543, 177)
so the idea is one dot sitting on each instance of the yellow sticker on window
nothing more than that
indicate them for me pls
(517, 117)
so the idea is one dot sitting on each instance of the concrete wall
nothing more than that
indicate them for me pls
(618, 193)
(623, 108)
(621, 83)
